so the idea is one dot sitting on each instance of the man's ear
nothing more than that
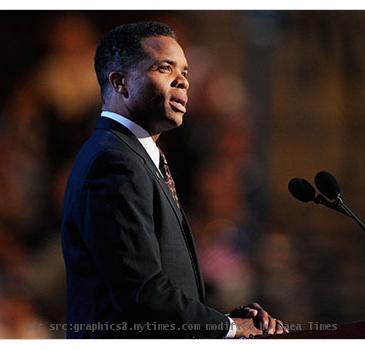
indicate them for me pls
(118, 83)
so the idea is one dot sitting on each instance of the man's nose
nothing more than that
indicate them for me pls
(180, 82)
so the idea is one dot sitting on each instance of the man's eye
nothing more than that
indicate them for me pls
(165, 68)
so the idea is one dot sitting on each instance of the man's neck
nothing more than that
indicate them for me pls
(154, 136)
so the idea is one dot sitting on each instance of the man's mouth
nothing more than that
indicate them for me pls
(178, 105)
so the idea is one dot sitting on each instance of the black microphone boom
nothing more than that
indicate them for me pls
(332, 205)
(302, 190)
(328, 185)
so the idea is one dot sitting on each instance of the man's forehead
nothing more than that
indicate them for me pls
(163, 47)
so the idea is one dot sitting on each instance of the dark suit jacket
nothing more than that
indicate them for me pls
(131, 264)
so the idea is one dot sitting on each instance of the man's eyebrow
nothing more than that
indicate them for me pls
(173, 63)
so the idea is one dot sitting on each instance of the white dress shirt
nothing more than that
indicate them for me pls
(153, 151)
(142, 135)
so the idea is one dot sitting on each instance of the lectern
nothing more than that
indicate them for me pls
(354, 330)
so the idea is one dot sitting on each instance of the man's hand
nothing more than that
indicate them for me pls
(246, 328)
(260, 319)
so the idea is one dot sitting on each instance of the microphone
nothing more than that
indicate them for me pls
(302, 190)
(328, 185)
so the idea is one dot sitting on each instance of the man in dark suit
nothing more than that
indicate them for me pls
(131, 263)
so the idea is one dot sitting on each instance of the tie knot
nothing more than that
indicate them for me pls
(163, 160)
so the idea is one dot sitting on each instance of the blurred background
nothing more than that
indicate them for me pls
(274, 95)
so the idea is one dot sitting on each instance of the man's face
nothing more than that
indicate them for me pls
(157, 87)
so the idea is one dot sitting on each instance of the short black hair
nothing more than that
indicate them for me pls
(120, 49)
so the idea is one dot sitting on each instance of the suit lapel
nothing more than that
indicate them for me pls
(129, 138)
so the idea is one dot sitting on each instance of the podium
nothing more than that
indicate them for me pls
(355, 330)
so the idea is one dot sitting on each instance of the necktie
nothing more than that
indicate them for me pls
(165, 170)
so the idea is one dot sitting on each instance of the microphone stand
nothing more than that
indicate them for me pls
(319, 199)
(341, 205)
(336, 204)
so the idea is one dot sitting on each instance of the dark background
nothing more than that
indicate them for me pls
(274, 95)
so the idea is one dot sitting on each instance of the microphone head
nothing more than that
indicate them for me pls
(327, 184)
(302, 190)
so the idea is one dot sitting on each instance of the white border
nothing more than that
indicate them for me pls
(149, 344)
(186, 5)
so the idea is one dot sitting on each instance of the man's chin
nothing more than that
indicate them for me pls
(168, 122)
(179, 120)
(174, 121)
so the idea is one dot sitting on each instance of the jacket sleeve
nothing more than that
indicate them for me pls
(118, 228)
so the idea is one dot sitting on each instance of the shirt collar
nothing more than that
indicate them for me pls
(141, 134)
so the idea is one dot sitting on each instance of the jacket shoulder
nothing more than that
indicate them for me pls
(105, 151)
(102, 155)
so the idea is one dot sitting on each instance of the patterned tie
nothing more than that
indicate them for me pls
(165, 170)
